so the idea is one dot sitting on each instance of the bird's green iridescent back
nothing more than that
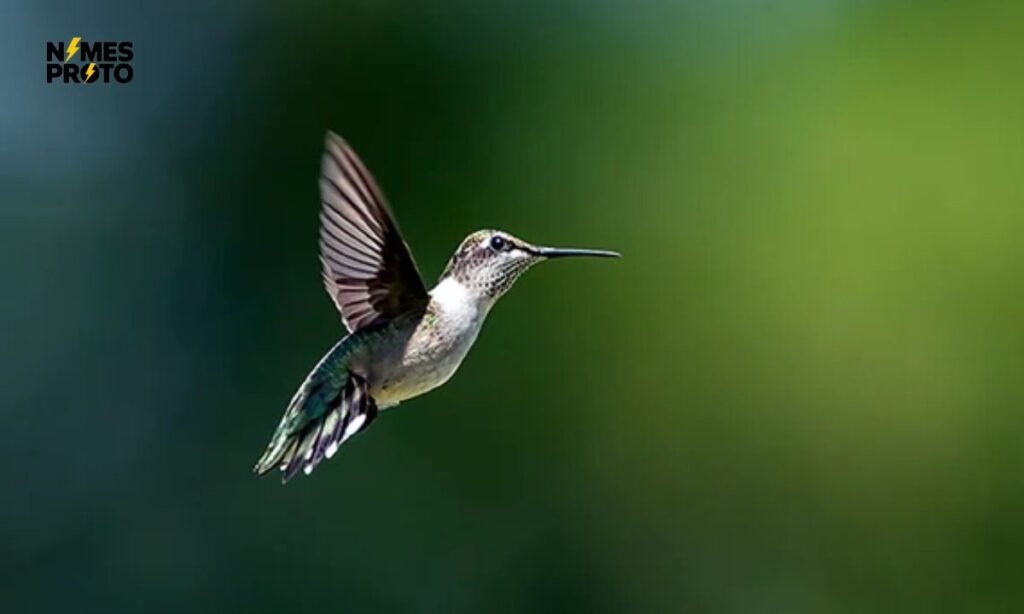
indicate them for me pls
(323, 383)
(329, 376)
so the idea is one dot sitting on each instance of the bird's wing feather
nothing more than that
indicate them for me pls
(367, 268)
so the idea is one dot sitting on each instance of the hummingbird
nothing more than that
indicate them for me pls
(402, 340)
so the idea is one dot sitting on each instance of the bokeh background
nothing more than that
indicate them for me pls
(799, 391)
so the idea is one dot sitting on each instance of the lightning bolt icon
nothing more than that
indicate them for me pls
(89, 72)
(72, 48)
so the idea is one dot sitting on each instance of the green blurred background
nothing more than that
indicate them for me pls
(799, 391)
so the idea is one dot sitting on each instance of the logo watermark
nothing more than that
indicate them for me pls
(80, 61)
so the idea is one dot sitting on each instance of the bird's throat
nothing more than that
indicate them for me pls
(455, 300)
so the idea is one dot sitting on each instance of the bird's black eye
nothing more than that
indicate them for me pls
(498, 243)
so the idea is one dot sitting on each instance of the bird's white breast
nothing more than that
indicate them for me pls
(437, 346)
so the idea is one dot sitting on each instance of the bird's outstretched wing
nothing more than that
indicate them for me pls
(367, 267)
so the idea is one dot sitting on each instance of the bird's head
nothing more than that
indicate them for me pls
(490, 261)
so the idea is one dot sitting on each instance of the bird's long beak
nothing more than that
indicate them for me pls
(558, 252)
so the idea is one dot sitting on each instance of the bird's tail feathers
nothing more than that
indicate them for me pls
(319, 419)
